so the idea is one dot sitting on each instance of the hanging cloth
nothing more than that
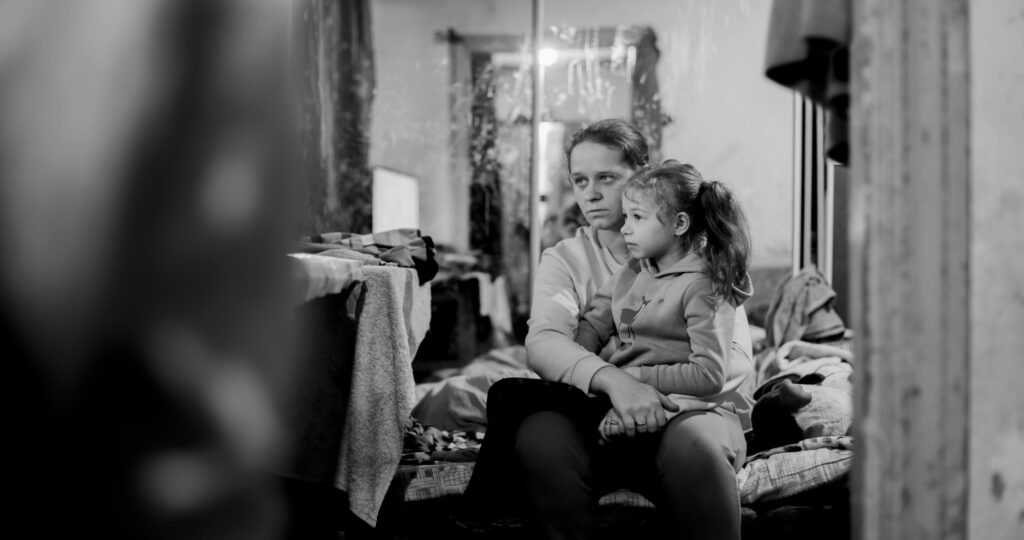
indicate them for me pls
(808, 51)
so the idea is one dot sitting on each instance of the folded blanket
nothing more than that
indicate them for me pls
(318, 276)
(352, 255)
(393, 237)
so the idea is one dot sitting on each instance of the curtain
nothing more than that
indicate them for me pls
(808, 51)
(645, 108)
(335, 47)
(485, 206)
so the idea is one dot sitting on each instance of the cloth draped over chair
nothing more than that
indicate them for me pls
(808, 51)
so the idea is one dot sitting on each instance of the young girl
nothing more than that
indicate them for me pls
(673, 305)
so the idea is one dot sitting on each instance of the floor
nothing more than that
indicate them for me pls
(315, 516)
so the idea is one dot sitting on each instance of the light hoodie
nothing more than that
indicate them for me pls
(674, 335)
(566, 284)
(567, 278)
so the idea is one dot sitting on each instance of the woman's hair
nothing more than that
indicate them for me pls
(613, 133)
(718, 228)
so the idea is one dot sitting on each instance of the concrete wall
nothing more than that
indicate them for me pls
(997, 269)
(728, 119)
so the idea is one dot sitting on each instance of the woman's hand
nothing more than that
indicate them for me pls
(640, 407)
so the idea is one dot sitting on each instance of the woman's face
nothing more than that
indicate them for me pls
(598, 174)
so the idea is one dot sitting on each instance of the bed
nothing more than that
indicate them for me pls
(792, 490)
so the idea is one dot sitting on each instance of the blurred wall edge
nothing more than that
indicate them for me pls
(145, 206)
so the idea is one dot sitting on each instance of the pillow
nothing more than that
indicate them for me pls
(785, 471)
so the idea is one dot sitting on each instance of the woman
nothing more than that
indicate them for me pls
(686, 465)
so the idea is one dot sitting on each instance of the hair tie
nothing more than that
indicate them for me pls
(704, 186)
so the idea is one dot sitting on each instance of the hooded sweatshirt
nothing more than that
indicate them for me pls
(672, 334)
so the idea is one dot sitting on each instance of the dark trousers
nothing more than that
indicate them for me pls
(688, 469)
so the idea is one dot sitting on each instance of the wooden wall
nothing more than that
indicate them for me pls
(910, 236)
(996, 406)
(936, 229)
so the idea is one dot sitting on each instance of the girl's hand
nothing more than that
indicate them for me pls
(640, 407)
(610, 426)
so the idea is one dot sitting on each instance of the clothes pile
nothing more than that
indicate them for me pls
(428, 444)
(406, 248)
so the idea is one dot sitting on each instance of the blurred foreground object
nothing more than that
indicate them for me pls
(144, 208)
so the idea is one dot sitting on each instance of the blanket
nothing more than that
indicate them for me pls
(798, 358)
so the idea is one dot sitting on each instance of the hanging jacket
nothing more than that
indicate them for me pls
(801, 309)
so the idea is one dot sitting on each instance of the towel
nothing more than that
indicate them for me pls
(394, 319)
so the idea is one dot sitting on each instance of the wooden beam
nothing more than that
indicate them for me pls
(909, 233)
(997, 266)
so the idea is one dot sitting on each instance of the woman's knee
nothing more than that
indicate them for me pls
(503, 398)
(548, 439)
(555, 462)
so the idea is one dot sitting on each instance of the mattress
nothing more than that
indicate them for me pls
(769, 475)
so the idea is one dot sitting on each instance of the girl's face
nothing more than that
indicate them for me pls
(598, 174)
(646, 236)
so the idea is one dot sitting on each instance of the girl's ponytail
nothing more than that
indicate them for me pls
(727, 239)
